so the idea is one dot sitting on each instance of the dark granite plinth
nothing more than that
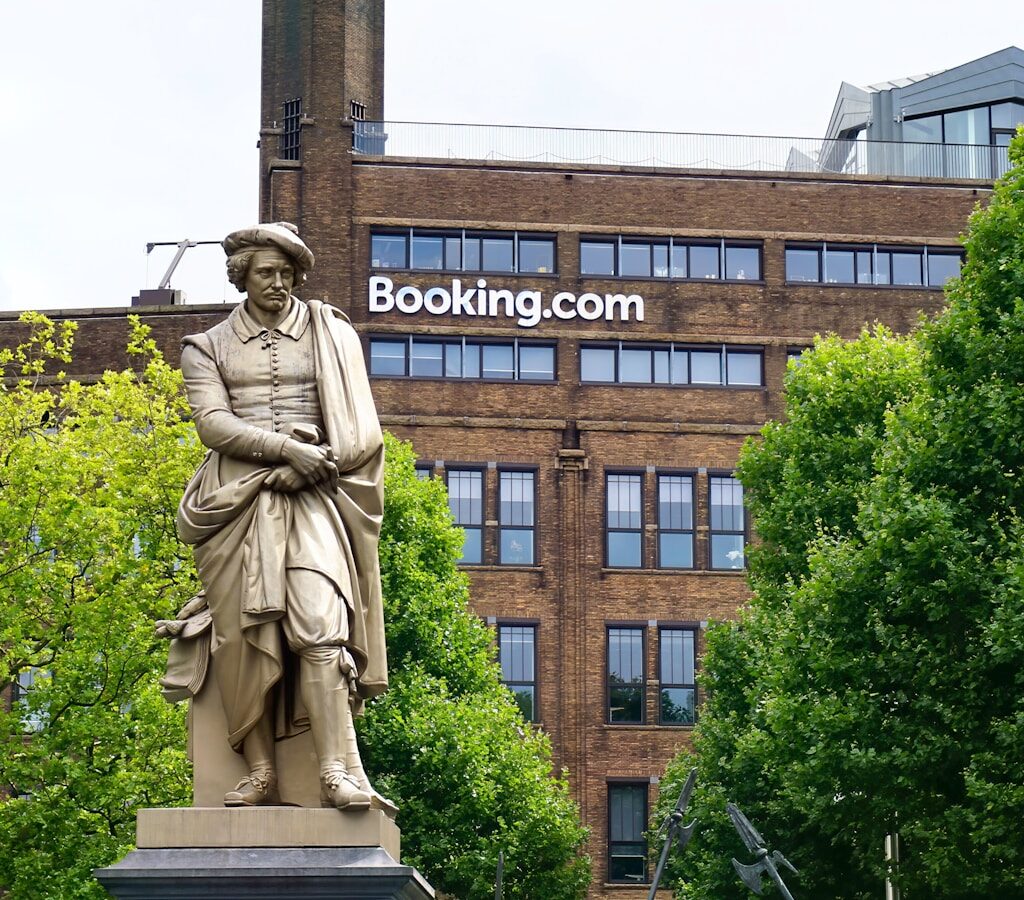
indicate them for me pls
(366, 873)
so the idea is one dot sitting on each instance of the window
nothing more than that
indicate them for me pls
(288, 143)
(626, 685)
(32, 719)
(680, 258)
(624, 548)
(675, 521)
(678, 702)
(627, 822)
(465, 499)
(628, 363)
(727, 522)
(517, 655)
(424, 471)
(417, 357)
(868, 264)
(458, 250)
(515, 518)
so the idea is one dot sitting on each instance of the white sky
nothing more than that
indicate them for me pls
(129, 121)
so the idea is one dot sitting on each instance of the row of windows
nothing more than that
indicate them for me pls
(627, 684)
(625, 530)
(626, 363)
(604, 363)
(462, 251)
(624, 519)
(629, 257)
(671, 258)
(415, 357)
(871, 264)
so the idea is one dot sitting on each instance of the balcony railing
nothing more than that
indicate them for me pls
(519, 143)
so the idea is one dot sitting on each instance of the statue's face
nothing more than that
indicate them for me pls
(269, 281)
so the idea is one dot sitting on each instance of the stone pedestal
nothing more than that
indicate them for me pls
(264, 852)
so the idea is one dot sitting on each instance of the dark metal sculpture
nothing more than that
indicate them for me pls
(499, 875)
(765, 862)
(675, 831)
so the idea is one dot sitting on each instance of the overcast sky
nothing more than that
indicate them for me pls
(130, 121)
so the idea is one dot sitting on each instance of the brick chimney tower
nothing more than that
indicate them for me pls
(322, 69)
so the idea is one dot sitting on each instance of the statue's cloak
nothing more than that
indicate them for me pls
(246, 536)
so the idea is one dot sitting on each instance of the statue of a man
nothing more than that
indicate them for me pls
(285, 514)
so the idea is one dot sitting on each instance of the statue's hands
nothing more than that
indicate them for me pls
(315, 463)
(286, 480)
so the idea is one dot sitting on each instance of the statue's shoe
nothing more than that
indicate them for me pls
(256, 789)
(340, 790)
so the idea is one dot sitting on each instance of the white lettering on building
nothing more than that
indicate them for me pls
(528, 307)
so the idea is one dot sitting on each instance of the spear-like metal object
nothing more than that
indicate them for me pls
(764, 863)
(499, 875)
(674, 829)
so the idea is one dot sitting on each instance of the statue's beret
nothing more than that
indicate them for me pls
(282, 235)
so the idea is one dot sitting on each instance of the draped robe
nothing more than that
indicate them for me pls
(250, 390)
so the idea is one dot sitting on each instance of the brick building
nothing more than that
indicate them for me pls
(580, 349)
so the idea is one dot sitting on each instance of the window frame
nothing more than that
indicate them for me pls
(712, 531)
(691, 531)
(464, 235)
(533, 627)
(877, 252)
(481, 471)
(532, 471)
(641, 687)
(694, 631)
(673, 243)
(608, 530)
(642, 788)
(516, 344)
(672, 348)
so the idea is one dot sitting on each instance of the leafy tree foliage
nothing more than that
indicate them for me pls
(89, 480)
(874, 685)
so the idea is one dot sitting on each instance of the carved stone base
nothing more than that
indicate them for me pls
(264, 852)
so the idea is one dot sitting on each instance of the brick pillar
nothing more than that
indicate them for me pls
(570, 751)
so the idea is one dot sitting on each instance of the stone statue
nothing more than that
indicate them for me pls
(284, 514)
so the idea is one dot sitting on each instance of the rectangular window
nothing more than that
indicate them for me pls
(456, 251)
(536, 254)
(517, 655)
(728, 522)
(388, 251)
(624, 548)
(742, 263)
(626, 685)
(704, 262)
(597, 257)
(424, 471)
(627, 823)
(676, 650)
(942, 267)
(802, 264)
(675, 522)
(465, 499)
(462, 358)
(387, 357)
(628, 363)
(516, 518)
(291, 129)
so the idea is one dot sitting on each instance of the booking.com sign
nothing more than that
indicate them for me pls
(528, 308)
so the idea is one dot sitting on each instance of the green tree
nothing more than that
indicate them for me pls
(874, 683)
(90, 479)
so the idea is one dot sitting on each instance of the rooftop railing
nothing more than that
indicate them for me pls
(520, 143)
